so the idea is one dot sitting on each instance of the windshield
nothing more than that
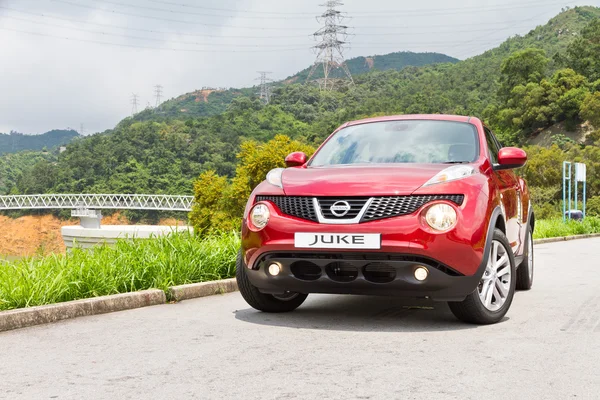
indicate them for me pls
(408, 141)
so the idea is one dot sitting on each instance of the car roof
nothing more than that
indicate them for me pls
(431, 117)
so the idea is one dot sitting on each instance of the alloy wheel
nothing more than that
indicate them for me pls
(494, 287)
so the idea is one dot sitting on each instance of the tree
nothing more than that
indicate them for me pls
(521, 68)
(583, 55)
(219, 204)
(590, 109)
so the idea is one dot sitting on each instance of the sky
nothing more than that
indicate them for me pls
(68, 63)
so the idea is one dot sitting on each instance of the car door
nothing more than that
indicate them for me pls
(510, 197)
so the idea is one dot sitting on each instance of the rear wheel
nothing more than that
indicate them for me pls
(525, 270)
(490, 302)
(284, 302)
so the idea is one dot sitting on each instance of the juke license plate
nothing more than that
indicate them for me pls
(363, 241)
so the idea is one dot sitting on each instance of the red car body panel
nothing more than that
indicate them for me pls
(491, 196)
(359, 180)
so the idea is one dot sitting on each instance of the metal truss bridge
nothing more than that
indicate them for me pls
(97, 202)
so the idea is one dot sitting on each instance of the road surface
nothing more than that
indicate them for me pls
(333, 347)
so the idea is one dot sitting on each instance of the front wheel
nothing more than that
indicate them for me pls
(285, 302)
(490, 302)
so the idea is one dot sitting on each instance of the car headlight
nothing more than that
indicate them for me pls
(441, 217)
(274, 177)
(451, 174)
(259, 216)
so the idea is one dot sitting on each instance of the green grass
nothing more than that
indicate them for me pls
(130, 266)
(557, 228)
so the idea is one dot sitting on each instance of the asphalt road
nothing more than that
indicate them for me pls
(333, 347)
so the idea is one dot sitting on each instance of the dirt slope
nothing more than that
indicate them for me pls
(31, 235)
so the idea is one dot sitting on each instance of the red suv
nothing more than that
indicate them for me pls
(422, 206)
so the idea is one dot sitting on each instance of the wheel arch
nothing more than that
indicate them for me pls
(496, 221)
(500, 223)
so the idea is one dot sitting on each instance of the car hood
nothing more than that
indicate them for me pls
(358, 180)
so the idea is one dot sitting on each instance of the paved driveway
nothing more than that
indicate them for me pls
(333, 347)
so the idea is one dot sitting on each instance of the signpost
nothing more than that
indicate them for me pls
(580, 176)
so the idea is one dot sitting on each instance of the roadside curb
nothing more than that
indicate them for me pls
(25, 317)
(204, 289)
(565, 238)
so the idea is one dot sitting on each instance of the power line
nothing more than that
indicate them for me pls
(357, 14)
(225, 9)
(265, 88)
(439, 31)
(146, 38)
(195, 23)
(242, 45)
(147, 47)
(134, 104)
(402, 29)
(364, 12)
(154, 31)
(498, 31)
(459, 10)
(187, 12)
(330, 49)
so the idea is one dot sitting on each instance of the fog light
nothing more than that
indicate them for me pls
(274, 269)
(421, 273)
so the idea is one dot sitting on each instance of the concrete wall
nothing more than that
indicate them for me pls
(86, 237)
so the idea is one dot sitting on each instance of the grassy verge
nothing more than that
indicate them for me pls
(557, 228)
(130, 266)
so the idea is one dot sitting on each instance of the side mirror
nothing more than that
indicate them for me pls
(511, 158)
(296, 159)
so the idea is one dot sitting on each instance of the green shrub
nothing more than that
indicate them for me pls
(208, 215)
(593, 206)
(219, 203)
(547, 211)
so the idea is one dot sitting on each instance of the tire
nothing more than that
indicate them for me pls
(262, 301)
(525, 270)
(472, 309)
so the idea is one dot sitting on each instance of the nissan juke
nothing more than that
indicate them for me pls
(418, 206)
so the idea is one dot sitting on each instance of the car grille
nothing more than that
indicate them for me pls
(301, 207)
(379, 207)
(387, 207)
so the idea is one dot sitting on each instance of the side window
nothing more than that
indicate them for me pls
(493, 146)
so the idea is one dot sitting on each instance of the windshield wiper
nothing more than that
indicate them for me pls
(456, 162)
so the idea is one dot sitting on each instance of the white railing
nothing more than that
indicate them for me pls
(98, 201)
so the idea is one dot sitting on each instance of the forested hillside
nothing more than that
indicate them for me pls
(16, 167)
(212, 101)
(14, 142)
(393, 61)
(528, 83)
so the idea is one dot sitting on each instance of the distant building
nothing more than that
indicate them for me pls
(62, 148)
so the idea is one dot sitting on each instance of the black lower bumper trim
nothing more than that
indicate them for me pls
(366, 273)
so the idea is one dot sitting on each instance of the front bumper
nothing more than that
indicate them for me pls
(454, 259)
(359, 273)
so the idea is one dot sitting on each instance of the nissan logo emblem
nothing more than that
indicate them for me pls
(340, 208)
